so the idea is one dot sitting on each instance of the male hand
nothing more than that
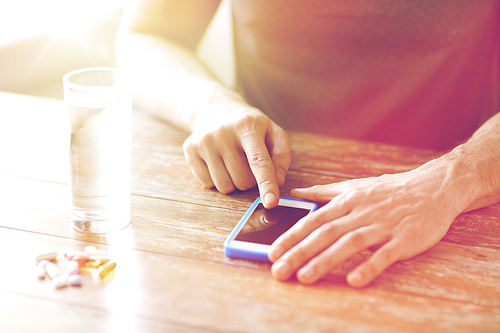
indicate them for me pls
(238, 150)
(401, 214)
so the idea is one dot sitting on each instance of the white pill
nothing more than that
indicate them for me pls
(90, 249)
(42, 263)
(75, 279)
(51, 270)
(40, 271)
(60, 281)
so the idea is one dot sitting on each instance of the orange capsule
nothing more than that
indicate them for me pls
(106, 268)
(93, 263)
(80, 260)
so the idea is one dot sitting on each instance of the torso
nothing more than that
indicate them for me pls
(417, 73)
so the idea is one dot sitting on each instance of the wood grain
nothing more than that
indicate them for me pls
(197, 293)
(183, 230)
(171, 272)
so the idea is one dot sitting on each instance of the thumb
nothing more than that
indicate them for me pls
(320, 193)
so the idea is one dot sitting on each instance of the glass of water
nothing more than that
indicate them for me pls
(100, 108)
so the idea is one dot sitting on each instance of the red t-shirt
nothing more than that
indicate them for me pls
(409, 72)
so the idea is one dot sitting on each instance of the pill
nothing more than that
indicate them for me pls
(72, 268)
(102, 258)
(51, 270)
(60, 281)
(40, 271)
(42, 263)
(106, 268)
(75, 279)
(93, 263)
(46, 256)
(90, 249)
(80, 254)
(80, 261)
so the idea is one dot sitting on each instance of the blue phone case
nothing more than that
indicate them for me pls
(245, 254)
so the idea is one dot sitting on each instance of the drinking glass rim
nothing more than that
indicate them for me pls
(67, 84)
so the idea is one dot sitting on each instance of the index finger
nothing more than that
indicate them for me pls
(263, 170)
(300, 230)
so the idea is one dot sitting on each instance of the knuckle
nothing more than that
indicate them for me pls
(370, 269)
(329, 261)
(207, 140)
(315, 221)
(265, 183)
(358, 240)
(245, 184)
(189, 148)
(385, 255)
(323, 213)
(247, 119)
(299, 257)
(354, 194)
(225, 188)
(197, 145)
(246, 123)
(329, 230)
(289, 240)
(258, 158)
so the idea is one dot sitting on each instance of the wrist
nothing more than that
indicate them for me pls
(468, 178)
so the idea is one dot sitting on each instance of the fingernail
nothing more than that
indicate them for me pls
(269, 198)
(306, 273)
(355, 278)
(281, 268)
(275, 252)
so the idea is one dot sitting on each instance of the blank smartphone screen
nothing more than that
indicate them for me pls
(264, 226)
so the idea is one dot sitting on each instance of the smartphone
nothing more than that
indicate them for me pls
(260, 227)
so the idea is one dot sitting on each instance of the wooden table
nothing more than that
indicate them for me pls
(171, 272)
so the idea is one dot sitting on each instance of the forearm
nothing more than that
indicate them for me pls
(470, 173)
(170, 82)
(480, 156)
